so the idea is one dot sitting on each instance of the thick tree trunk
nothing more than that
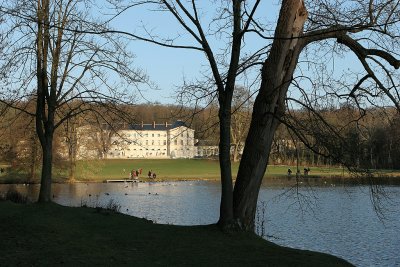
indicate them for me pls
(251, 171)
(46, 101)
(269, 108)
(225, 94)
(45, 182)
(226, 206)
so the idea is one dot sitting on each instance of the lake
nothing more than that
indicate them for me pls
(338, 220)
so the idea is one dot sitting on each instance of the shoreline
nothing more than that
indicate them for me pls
(268, 180)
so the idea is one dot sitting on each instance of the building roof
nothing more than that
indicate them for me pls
(157, 127)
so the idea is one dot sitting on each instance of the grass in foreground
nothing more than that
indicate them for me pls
(50, 235)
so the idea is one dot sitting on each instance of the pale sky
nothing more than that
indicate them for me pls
(167, 67)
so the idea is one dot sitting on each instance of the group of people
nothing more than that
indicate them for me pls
(306, 171)
(152, 174)
(134, 174)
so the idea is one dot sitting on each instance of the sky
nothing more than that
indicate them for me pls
(168, 67)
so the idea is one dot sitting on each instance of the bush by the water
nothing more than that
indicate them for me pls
(14, 196)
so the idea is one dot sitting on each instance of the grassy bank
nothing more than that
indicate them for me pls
(52, 235)
(166, 169)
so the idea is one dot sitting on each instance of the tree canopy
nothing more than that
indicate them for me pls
(48, 58)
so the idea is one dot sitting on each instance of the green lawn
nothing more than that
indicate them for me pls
(175, 169)
(166, 169)
(52, 235)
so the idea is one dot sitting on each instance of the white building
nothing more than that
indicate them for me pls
(153, 141)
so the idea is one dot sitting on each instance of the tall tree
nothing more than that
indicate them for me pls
(49, 57)
(188, 17)
(328, 21)
(365, 29)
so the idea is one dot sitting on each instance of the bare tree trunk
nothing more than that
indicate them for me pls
(269, 107)
(251, 171)
(225, 117)
(226, 206)
(45, 182)
(44, 112)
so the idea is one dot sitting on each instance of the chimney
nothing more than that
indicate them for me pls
(154, 124)
(166, 124)
(142, 124)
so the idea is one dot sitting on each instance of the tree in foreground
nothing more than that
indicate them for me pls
(325, 21)
(294, 69)
(49, 58)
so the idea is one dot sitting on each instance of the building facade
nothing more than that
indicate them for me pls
(153, 141)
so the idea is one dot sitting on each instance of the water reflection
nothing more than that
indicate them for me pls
(335, 220)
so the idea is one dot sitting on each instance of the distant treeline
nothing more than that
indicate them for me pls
(369, 140)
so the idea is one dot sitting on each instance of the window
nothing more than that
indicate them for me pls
(152, 135)
(181, 142)
(147, 142)
(152, 142)
(159, 135)
(165, 142)
(175, 142)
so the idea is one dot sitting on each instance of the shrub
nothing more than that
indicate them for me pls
(14, 196)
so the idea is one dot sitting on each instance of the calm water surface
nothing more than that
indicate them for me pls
(336, 220)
